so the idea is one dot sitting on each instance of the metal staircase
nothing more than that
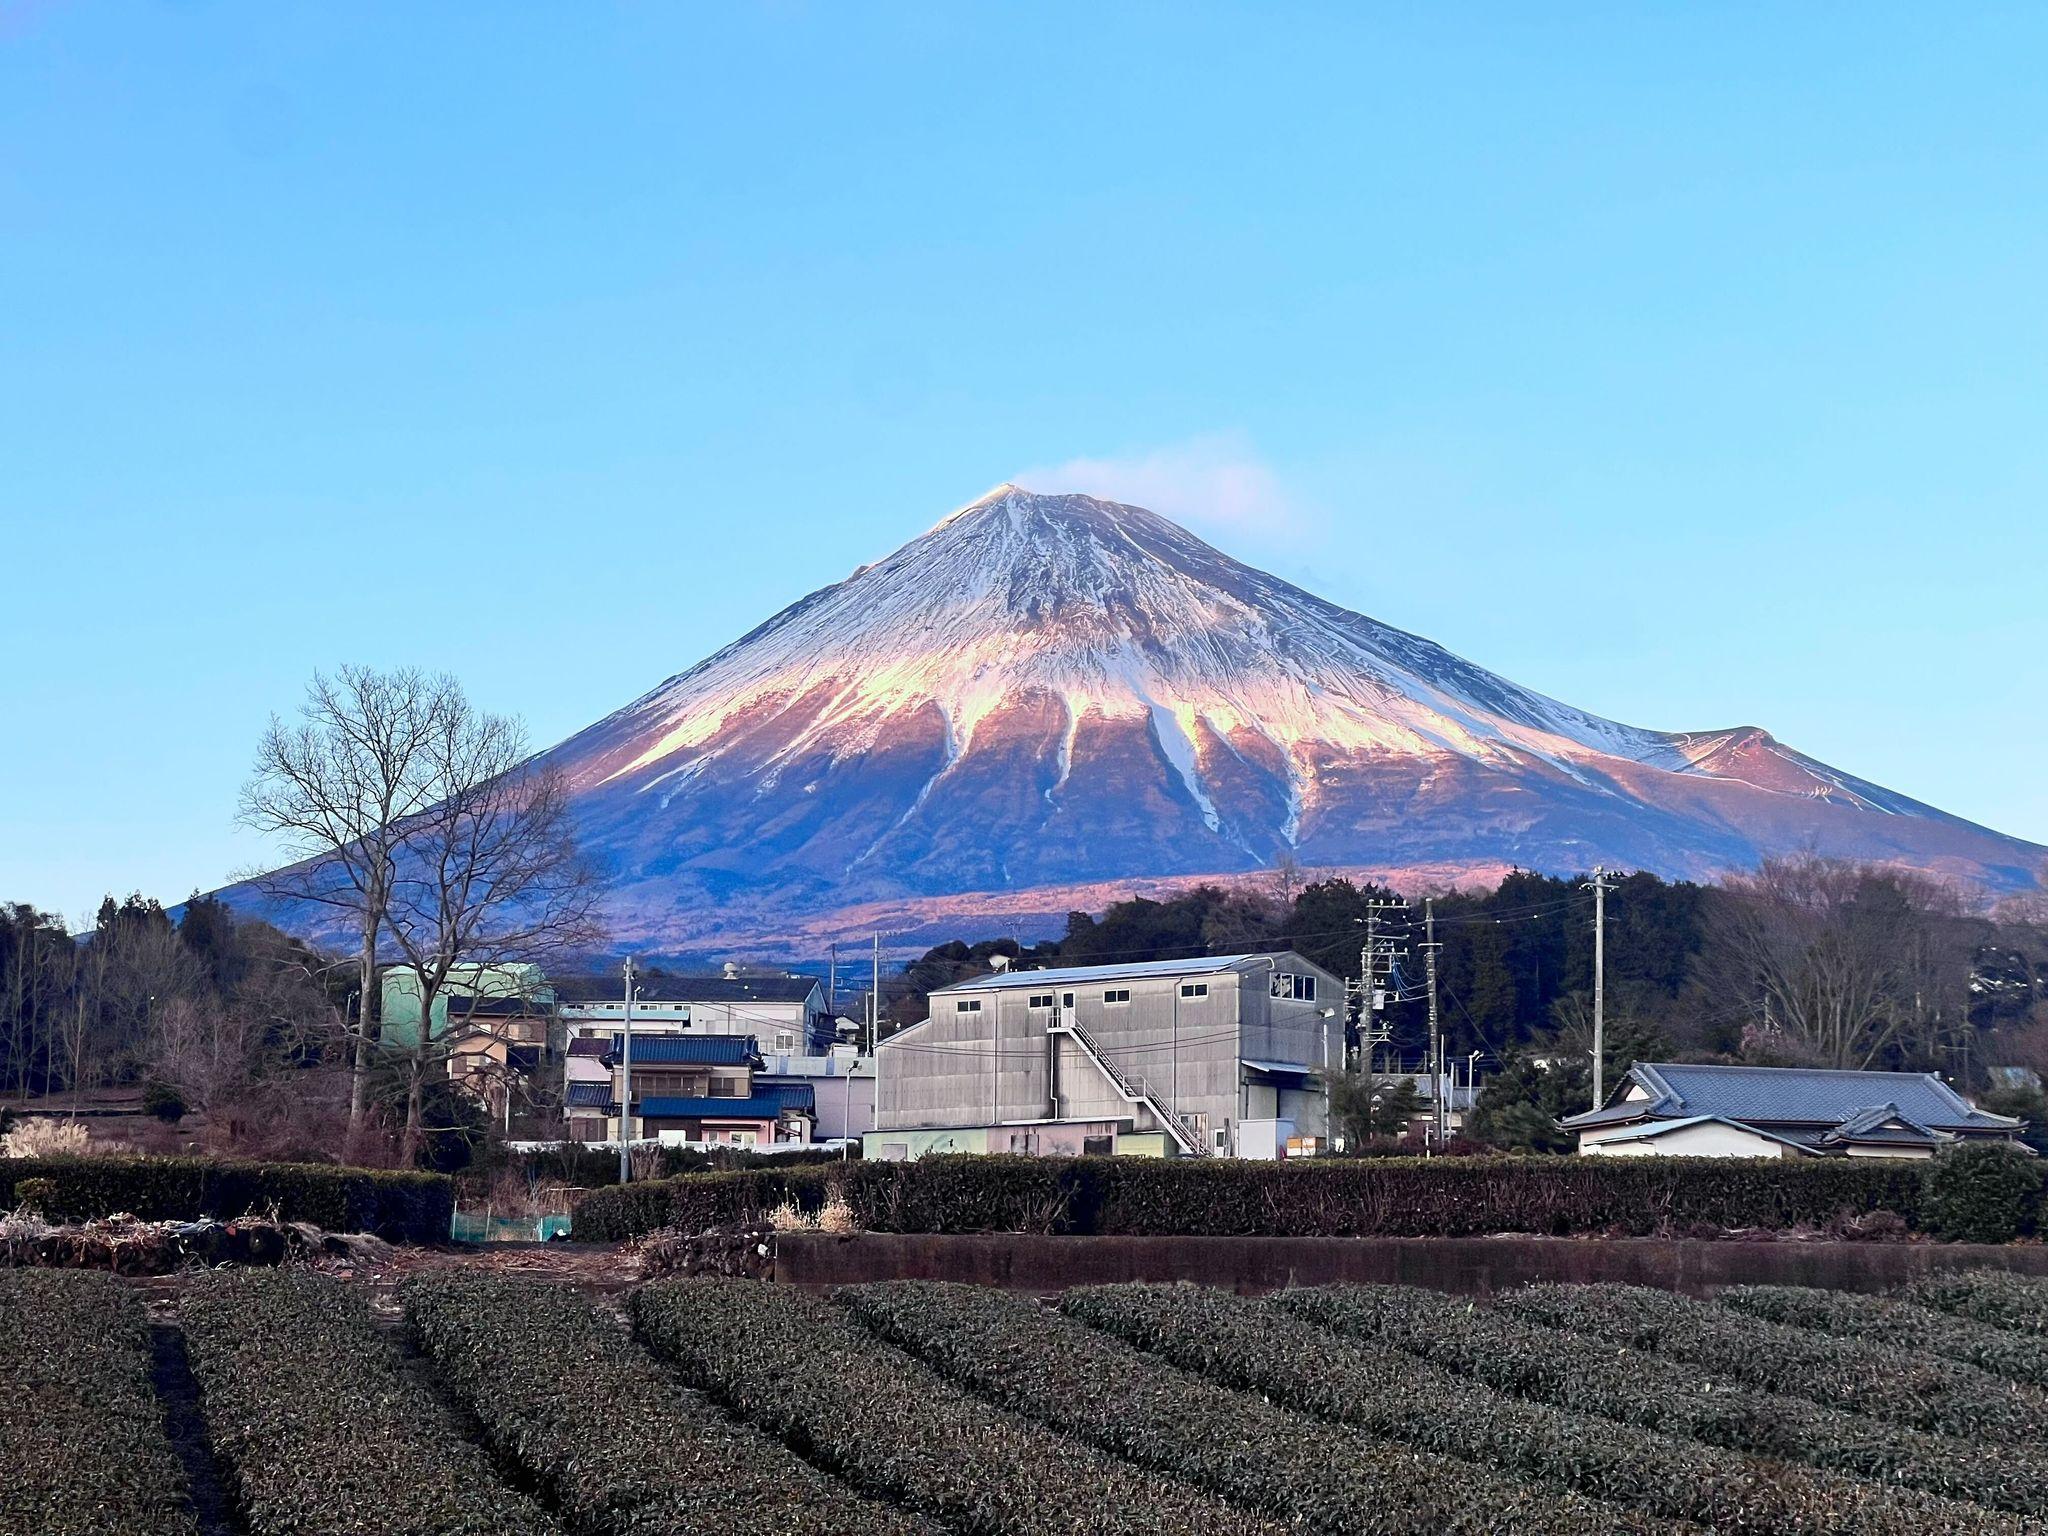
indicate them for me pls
(1185, 1136)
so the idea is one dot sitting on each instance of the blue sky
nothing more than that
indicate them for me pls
(1687, 363)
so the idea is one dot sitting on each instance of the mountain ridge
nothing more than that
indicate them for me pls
(1050, 690)
(1045, 699)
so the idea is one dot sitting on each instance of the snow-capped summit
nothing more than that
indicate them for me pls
(1047, 692)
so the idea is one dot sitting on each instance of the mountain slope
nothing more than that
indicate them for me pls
(1048, 696)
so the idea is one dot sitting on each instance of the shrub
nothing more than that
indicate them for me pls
(1981, 1192)
(405, 1207)
(1900, 1324)
(164, 1102)
(82, 1438)
(1326, 1198)
(44, 1137)
(1872, 1379)
(1100, 1390)
(2015, 1302)
(1592, 1377)
(1384, 1392)
(516, 1350)
(323, 1429)
(801, 1369)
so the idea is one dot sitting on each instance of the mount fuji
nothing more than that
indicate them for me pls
(1048, 701)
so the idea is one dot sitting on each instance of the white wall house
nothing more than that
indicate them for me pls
(1683, 1109)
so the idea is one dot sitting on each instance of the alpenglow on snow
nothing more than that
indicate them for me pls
(1049, 701)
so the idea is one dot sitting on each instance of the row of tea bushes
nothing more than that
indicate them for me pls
(1589, 1375)
(1900, 1324)
(1444, 1196)
(801, 1369)
(82, 1445)
(1258, 1348)
(401, 1206)
(536, 1362)
(321, 1426)
(1916, 1390)
(1089, 1385)
(2015, 1302)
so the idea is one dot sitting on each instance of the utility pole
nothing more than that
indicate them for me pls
(875, 1029)
(832, 983)
(1599, 886)
(1377, 955)
(626, 1086)
(1436, 1042)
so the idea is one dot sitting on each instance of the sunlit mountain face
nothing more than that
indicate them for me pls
(1047, 701)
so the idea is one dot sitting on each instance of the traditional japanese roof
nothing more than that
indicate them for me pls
(686, 1050)
(589, 1045)
(1819, 1109)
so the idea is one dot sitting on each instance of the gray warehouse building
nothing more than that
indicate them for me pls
(1218, 1056)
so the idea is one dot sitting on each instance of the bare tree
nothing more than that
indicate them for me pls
(339, 790)
(490, 876)
(1846, 961)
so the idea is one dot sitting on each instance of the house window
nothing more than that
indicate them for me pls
(967, 1005)
(1040, 1000)
(1194, 989)
(784, 1042)
(1117, 995)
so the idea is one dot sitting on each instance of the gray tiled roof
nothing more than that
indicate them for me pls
(1791, 1096)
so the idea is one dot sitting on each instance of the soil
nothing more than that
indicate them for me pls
(178, 1392)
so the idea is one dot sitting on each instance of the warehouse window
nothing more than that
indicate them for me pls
(1195, 989)
(967, 1005)
(1040, 1000)
(1117, 995)
(1301, 988)
(1067, 1001)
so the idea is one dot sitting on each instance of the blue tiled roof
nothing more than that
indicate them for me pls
(590, 1096)
(764, 1104)
(688, 1050)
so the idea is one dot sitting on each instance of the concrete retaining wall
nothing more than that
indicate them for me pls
(1474, 1266)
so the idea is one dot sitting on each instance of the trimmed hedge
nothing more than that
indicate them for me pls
(1136, 1406)
(535, 1362)
(1916, 1390)
(1900, 1324)
(404, 1207)
(1593, 1377)
(1381, 1390)
(83, 1450)
(1981, 1192)
(323, 1429)
(2015, 1302)
(800, 1368)
(1394, 1197)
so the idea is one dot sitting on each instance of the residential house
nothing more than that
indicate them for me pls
(496, 1024)
(1689, 1110)
(786, 1014)
(1213, 1056)
(695, 1089)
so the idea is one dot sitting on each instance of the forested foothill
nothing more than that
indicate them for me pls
(1806, 962)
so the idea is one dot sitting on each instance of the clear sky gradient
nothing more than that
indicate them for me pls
(1684, 362)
